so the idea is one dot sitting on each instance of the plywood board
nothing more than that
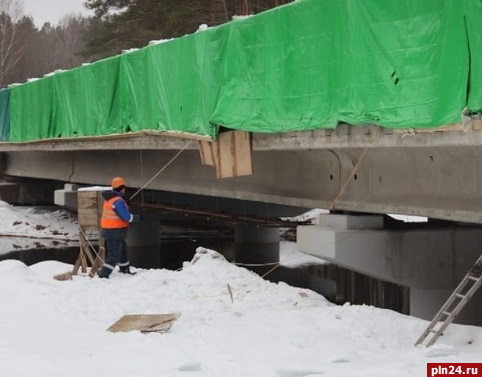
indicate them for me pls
(477, 124)
(87, 199)
(233, 154)
(230, 154)
(206, 151)
(144, 323)
(89, 209)
(88, 218)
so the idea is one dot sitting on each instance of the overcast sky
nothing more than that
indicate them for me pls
(52, 10)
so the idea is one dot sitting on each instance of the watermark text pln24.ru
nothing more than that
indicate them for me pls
(454, 369)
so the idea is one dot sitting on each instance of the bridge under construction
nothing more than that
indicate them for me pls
(361, 108)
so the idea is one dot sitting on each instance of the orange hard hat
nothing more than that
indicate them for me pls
(118, 182)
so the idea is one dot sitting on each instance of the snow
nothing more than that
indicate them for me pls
(58, 328)
(310, 216)
(20, 227)
(156, 42)
(408, 218)
(291, 257)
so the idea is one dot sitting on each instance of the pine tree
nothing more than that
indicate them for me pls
(125, 24)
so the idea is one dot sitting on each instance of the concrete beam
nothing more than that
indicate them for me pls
(363, 169)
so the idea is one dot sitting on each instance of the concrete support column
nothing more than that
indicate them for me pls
(256, 245)
(430, 261)
(144, 242)
(28, 192)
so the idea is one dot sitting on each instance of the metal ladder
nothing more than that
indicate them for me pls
(454, 305)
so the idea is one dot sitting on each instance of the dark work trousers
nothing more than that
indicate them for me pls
(116, 245)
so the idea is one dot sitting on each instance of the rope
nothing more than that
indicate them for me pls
(137, 192)
(162, 169)
(255, 264)
(360, 159)
(277, 264)
(141, 160)
(90, 245)
(290, 256)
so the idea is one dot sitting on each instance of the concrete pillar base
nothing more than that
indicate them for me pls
(67, 197)
(256, 245)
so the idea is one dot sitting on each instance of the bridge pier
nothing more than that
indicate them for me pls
(28, 191)
(256, 245)
(430, 261)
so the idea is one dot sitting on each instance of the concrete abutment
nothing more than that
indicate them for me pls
(431, 261)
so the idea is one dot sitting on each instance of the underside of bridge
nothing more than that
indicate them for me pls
(367, 170)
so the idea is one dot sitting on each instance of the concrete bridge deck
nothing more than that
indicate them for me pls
(433, 173)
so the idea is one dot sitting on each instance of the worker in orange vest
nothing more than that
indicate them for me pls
(115, 221)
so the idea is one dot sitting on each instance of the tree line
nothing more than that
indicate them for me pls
(28, 51)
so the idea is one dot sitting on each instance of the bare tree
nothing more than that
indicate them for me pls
(70, 40)
(11, 12)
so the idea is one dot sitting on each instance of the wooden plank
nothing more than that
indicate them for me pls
(242, 147)
(144, 323)
(63, 277)
(233, 154)
(100, 203)
(447, 128)
(113, 137)
(99, 260)
(230, 154)
(88, 218)
(206, 152)
(86, 199)
(86, 249)
(77, 263)
(477, 124)
(223, 155)
(88, 215)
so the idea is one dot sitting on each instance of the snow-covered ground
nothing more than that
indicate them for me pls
(22, 227)
(58, 328)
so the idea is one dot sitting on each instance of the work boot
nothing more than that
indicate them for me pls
(126, 270)
(104, 273)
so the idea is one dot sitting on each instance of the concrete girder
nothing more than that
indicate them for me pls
(442, 182)
(365, 169)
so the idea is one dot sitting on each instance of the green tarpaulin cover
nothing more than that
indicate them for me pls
(307, 65)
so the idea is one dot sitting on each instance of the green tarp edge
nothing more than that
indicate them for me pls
(4, 114)
(304, 66)
(473, 17)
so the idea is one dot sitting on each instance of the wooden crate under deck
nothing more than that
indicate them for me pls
(89, 210)
(230, 154)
